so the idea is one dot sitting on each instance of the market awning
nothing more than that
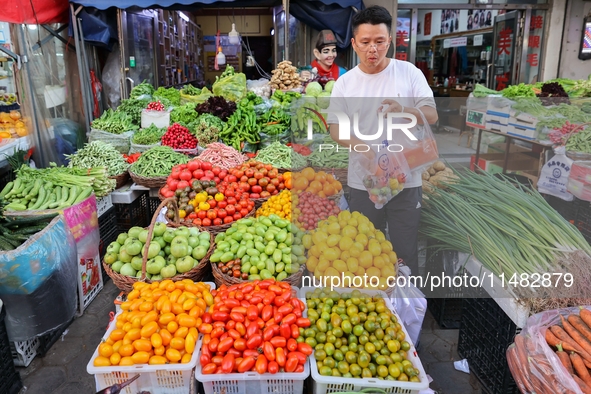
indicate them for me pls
(35, 12)
(193, 4)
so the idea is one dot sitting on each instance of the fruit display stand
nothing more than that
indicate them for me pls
(157, 379)
(328, 384)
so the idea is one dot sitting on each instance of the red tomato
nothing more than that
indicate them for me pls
(231, 200)
(212, 203)
(172, 183)
(267, 313)
(285, 331)
(222, 212)
(228, 363)
(202, 214)
(241, 328)
(206, 165)
(216, 170)
(211, 214)
(252, 182)
(217, 222)
(261, 364)
(193, 165)
(182, 184)
(213, 344)
(249, 173)
(240, 344)
(186, 175)
(209, 369)
(295, 331)
(237, 216)
(292, 345)
(254, 341)
(278, 342)
(269, 351)
(206, 222)
(270, 332)
(228, 219)
(252, 313)
(304, 348)
(285, 309)
(220, 316)
(300, 356)
(280, 356)
(259, 175)
(204, 359)
(237, 317)
(291, 363)
(225, 344)
(244, 212)
(246, 364)
(273, 367)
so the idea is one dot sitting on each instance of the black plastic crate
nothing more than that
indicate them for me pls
(567, 209)
(6, 176)
(133, 214)
(447, 312)
(583, 219)
(485, 333)
(153, 203)
(109, 230)
(10, 381)
(46, 341)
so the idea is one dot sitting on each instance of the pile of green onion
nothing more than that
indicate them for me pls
(507, 227)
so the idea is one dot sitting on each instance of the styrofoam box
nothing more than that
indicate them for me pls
(497, 127)
(156, 379)
(252, 382)
(329, 384)
(502, 120)
(523, 132)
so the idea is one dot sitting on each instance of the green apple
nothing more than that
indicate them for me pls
(194, 231)
(110, 257)
(171, 259)
(159, 229)
(156, 277)
(155, 265)
(169, 235)
(113, 247)
(153, 250)
(143, 236)
(128, 270)
(121, 238)
(136, 263)
(135, 231)
(160, 241)
(116, 266)
(169, 271)
(199, 252)
(134, 247)
(193, 241)
(185, 264)
(124, 256)
(182, 232)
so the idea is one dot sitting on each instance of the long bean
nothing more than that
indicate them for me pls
(281, 156)
(157, 161)
(98, 154)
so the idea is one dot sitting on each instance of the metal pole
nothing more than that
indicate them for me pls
(286, 8)
(81, 74)
(88, 86)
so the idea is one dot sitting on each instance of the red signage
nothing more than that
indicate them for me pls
(505, 40)
(502, 81)
(534, 42)
(401, 37)
(427, 26)
(532, 59)
(537, 22)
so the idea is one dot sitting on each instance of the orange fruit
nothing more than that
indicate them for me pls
(101, 361)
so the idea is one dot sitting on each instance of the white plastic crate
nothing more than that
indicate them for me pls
(156, 379)
(103, 204)
(24, 352)
(252, 382)
(329, 384)
(122, 297)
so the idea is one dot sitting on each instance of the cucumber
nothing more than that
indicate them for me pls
(6, 189)
(35, 190)
(26, 191)
(48, 201)
(16, 188)
(40, 198)
(5, 245)
(73, 194)
(29, 230)
(83, 195)
(15, 207)
(21, 221)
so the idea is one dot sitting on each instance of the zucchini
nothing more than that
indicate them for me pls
(16, 207)
(5, 245)
(40, 198)
(35, 190)
(6, 189)
(48, 201)
(86, 192)
(20, 221)
(26, 191)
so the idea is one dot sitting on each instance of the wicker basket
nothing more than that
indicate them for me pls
(210, 229)
(220, 278)
(121, 179)
(336, 197)
(155, 182)
(197, 274)
(258, 202)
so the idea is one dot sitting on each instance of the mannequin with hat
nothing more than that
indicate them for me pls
(325, 52)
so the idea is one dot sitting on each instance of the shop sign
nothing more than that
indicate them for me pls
(536, 22)
(427, 28)
(478, 40)
(504, 42)
(455, 42)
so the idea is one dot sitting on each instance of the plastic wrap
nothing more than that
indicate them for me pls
(581, 171)
(544, 366)
(205, 94)
(260, 86)
(554, 175)
(121, 142)
(160, 119)
(423, 152)
(411, 305)
(111, 78)
(135, 148)
(38, 282)
(232, 87)
(384, 176)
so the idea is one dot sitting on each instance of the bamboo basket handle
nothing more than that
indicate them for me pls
(575, 130)
(151, 230)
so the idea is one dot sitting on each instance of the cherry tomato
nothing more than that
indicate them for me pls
(231, 303)
(278, 342)
(289, 319)
(228, 363)
(300, 356)
(250, 353)
(304, 348)
(240, 344)
(292, 345)
(295, 331)
(303, 322)
(252, 313)
(254, 341)
(220, 316)
(209, 369)
(217, 332)
(226, 344)
(280, 356)
(291, 363)
(213, 345)
(261, 364)
(269, 351)
(270, 332)
(251, 330)
(285, 309)
(237, 317)
(273, 367)
(235, 352)
(285, 331)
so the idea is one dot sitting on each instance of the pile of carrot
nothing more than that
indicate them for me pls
(571, 341)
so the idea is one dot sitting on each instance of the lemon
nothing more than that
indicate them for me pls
(345, 254)
(365, 259)
(393, 257)
(380, 236)
(379, 262)
(314, 251)
(386, 245)
(360, 271)
(331, 253)
(374, 248)
(373, 271)
(356, 249)
(386, 258)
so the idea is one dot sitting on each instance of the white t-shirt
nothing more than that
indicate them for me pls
(363, 93)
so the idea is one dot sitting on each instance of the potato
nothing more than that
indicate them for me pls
(431, 171)
(425, 176)
(428, 187)
(438, 166)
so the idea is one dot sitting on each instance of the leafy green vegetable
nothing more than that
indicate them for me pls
(148, 136)
(207, 129)
(184, 114)
(483, 91)
(133, 108)
(143, 89)
(521, 90)
(190, 90)
(114, 122)
(171, 94)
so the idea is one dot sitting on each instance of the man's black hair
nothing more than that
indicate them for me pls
(373, 15)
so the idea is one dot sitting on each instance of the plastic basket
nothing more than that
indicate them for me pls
(10, 383)
(329, 384)
(485, 333)
(252, 382)
(24, 352)
(103, 204)
(46, 341)
(156, 379)
(134, 213)
(108, 229)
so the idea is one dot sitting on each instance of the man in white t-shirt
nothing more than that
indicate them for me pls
(376, 86)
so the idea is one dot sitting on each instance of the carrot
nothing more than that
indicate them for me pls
(580, 325)
(582, 385)
(516, 370)
(562, 335)
(585, 315)
(554, 342)
(565, 360)
(576, 335)
(580, 368)
(520, 355)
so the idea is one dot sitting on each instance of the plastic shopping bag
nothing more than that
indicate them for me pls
(423, 152)
(384, 176)
(231, 87)
(554, 175)
(411, 305)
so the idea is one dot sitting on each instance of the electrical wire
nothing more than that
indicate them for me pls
(246, 47)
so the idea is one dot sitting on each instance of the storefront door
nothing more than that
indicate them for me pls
(507, 29)
(137, 41)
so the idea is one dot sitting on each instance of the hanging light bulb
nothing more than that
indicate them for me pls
(233, 36)
(220, 57)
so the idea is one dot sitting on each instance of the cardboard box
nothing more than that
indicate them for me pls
(500, 148)
(493, 162)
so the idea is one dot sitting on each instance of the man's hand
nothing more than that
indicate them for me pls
(389, 105)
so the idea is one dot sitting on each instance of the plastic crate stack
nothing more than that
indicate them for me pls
(577, 212)
(485, 333)
(133, 214)
(10, 381)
